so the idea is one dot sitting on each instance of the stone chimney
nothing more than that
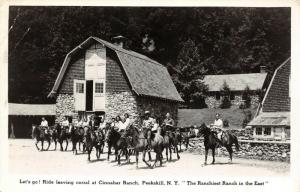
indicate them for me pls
(119, 41)
(263, 69)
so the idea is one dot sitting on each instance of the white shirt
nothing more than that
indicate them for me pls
(102, 125)
(218, 124)
(85, 124)
(127, 123)
(119, 125)
(155, 127)
(44, 123)
(65, 123)
(148, 123)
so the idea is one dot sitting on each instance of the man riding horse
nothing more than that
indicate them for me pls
(218, 128)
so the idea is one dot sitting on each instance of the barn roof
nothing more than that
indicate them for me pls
(236, 82)
(277, 97)
(31, 109)
(146, 76)
(271, 119)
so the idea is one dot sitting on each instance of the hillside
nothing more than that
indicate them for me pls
(234, 115)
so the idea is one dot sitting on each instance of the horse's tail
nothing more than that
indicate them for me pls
(236, 143)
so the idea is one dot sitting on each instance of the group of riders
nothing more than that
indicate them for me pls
(150, 125)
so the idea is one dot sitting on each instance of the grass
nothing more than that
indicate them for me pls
(234, 115)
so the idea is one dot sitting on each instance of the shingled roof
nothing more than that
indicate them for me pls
(146, 76)
(236, 82)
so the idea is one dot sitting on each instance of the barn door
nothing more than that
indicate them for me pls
(99, 95)
(79, 94)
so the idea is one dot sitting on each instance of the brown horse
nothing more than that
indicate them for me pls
(118, 142)
(40, 135)
(93, 139)
(211, 142)
(140, 144)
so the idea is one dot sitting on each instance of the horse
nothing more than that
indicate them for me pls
(175, 141)
(63, 136)
(169, 141)
(211, 141)
(119, 142)
(140, 144)
(40, 135)
(53, 131)
(93, 139)
(76, 136)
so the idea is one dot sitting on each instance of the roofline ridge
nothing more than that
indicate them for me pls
(126, 52)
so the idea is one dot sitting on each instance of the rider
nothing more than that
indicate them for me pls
(147, 125)
(65, 123)
(169, 122)
(218, 126)
(44, 124)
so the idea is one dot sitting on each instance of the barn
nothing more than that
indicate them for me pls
(99, 77)
(272, 121)
(237, 83)
(21, 117)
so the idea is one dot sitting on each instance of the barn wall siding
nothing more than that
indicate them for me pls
(278, 96)
(75, 71)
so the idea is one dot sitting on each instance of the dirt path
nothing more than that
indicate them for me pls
(24, 158)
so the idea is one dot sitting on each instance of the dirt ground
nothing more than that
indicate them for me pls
(25, 159)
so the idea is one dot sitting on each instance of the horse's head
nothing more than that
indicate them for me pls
(204, 130)
(108, 134)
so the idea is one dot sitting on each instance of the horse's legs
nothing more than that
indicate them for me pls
(136, 159)
(144, 154)
(170, 152)
(60, 143)
(178, 157)
(67, 143)
(167, 148)
(36, 144)
(89, 153)
(156, 159)
(206, 152)
(42, 145)
(55, 144)
(149, 155)
(49, 143)
(213, 155)
(108, 152)
(229, 149)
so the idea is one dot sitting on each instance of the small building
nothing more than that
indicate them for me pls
(237, 84)
(98, 77)
(272, 121)
(21, 117)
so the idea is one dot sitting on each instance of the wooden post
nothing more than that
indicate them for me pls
(12, 132)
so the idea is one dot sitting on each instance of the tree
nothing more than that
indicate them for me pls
(225, 93)
(246, 98)
(189, 75)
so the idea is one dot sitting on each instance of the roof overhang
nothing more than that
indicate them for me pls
(271, 119)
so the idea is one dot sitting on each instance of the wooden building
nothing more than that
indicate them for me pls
(98, 77)
(21, 117)
(237, 84)
(272, 121)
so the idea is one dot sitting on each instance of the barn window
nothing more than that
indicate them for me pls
(79, 87)
(218, 96)
(258, 131)
(267, 131)
(99, 88)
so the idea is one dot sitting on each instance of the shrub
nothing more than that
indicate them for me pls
(225, 92)
(246, 97)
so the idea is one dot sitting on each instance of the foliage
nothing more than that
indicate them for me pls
(227, 40)
(225, 92)
(246, 97)
(225, 123)
(189, 74)
(247, 118)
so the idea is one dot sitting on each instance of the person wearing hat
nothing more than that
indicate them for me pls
(147, 125)
(169, 122)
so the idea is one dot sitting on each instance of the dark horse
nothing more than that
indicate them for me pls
(118, 142)
(211, 142)
(63, 136)
(76, 136)
(140, 144)
(171, 139)
(40, 135)
(93, 139)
